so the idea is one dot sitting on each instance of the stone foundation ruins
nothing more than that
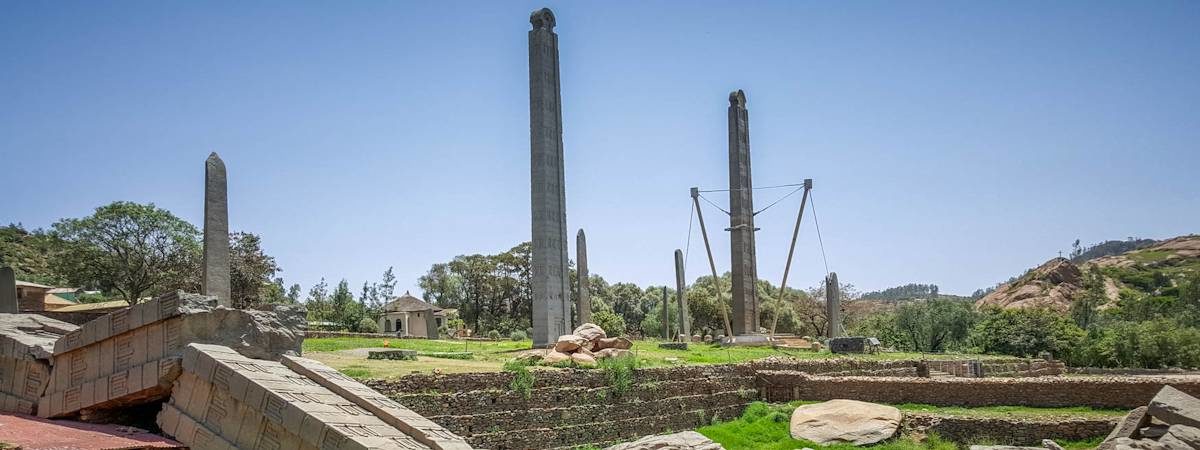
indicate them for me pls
(219, 378)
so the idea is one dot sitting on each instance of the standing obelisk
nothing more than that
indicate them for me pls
(833, 305)
(551, 289)
(8, 291)
(584, 302)
(216, 232)
(685, 327)
(741, 219)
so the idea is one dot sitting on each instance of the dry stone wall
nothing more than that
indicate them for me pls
(1005, 430)
(1100, 392)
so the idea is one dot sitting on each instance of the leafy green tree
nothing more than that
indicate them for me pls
(130, 248)
(1026, 332)
(293, 293)
(933, 325)
(251, 272)
(1086, 305)
(317, 303)
(610, 322)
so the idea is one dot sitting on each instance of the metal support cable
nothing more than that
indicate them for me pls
(780, 200)
(715, 205)
(820, 241)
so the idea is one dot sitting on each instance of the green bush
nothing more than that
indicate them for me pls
(518, 335)
(619, 373)
(366, 325)
(612, 324)
(1026, 332)
(1152, 344)
(494, 335)
(523, 380)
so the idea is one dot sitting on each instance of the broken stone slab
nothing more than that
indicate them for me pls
(1185, 434)
(1049, 444)
(423, 430)
(748, 340)
(1127, 428)
(295, 410)
(1174, 407)
(845, 421)
(26, 342)
(687, 440)
(1139, 444)
(124, 358)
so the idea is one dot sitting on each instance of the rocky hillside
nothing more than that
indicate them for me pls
(1056, 283)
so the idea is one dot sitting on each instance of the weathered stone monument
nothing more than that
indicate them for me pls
(8, 291)
(685, 326)
(666, 314)
(833, 305)
(584, 303)
(741, 219)
(216, 233)
(551, 291)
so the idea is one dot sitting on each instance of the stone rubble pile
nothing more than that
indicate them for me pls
(1171, 421)
(586, 345)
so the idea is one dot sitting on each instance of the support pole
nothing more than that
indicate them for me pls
(711, 264)
(788, 267)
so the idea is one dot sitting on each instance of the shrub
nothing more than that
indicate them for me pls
(494, 335)
(619, 373)
(1152, 344)
(1026, 332)
(518, 335)
(523, 380)
(610, 322)
(366, 325)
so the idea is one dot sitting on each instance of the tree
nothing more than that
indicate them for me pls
(1085, 306)
(1026, 332)
(251, 272)
(317, 303)
(293, 293)
(345, 311)
(933, 325)
(129, 248)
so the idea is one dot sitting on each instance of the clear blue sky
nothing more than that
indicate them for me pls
(955, 143)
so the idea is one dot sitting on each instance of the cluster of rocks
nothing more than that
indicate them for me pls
(1171, 421)
(586, 345)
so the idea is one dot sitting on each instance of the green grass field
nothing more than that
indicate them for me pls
(765, 427)
(489, 356)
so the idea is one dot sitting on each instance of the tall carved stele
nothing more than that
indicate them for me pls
(685, 326)
(551, 291)
(584, 303)
(833, 305)
(216, 232)
(8, 291)
(741, 219)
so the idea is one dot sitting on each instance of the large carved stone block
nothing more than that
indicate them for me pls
(26, 341)
(131, 356)
(230, 400)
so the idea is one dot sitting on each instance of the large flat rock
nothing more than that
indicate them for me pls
(687, 440)
(845, 421)
(1175, 407)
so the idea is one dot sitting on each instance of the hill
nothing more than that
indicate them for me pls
(1155, 269)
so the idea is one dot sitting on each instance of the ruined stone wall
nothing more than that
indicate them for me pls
(1100, 392)
(1007, 430)
(569, 408)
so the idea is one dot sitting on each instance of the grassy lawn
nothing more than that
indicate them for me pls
(489, 356)
(765, 427)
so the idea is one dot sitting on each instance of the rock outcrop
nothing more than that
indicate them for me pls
(1052, 285)
(845, 421)
(687, 440)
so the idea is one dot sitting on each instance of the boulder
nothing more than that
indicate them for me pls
(1138, 444)
(1049, 444)
(1174, 407)
(590, 331)
(845, 421)
(612, 342)
(1187, 435)
(583, 359)
(555, 357)
(687, 440)
(568, 343)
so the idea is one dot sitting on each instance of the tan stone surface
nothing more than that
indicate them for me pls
(687, 440)
(845, 421)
